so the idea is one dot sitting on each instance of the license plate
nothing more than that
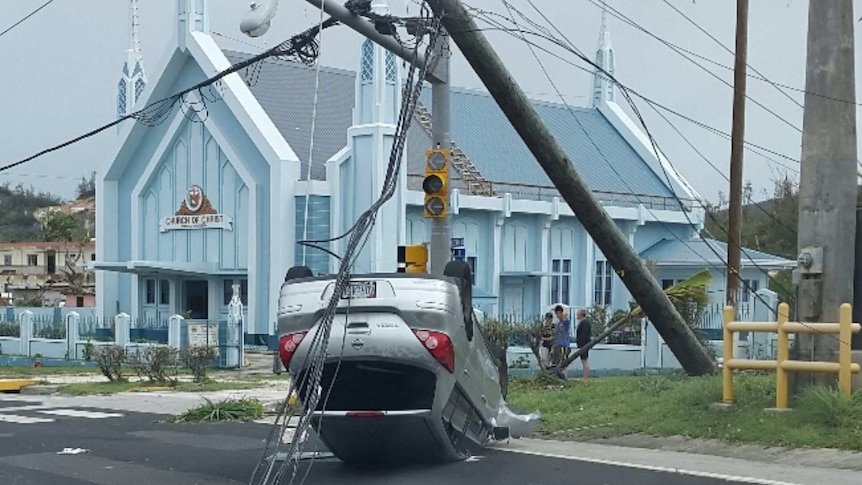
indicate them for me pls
(360, 289)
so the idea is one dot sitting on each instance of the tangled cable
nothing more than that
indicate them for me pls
(313, 364)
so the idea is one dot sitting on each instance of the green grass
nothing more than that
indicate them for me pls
(679, 406)
(83, 388)
(7, 372)
(226, 410)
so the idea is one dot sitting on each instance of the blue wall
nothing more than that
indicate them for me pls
(318, 229)
(195, 158)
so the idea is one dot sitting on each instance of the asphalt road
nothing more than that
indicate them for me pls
(135, 448)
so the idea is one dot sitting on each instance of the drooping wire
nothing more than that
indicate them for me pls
(24, 19)
(316, 351)
(301, 48)
(656, 149)
(311, 144)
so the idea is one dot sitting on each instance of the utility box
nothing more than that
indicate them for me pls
(413, 258)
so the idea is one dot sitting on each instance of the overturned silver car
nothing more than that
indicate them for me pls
(407, 374)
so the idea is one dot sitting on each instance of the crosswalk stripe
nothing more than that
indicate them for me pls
(12, 418)
(77, 413)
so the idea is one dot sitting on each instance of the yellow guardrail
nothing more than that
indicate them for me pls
(782, 365)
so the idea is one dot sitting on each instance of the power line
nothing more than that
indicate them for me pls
(34, 12)
(657, 150)
(301, 47)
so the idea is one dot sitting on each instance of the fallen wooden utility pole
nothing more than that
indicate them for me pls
(520, 112)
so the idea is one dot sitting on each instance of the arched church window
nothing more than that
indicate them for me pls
(367, 62)
(121, 98)
(391, 68)
(139, 88)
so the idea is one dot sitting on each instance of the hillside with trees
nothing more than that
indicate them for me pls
(20, 206)
(768, 226)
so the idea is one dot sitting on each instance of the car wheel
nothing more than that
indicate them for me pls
(298, 272)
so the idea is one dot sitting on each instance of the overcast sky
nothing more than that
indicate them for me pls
(61, 67)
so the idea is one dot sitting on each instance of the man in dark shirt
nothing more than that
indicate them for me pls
(583, 335)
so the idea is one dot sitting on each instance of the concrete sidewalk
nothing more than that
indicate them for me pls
(793, 470)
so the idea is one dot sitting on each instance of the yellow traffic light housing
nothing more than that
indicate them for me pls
(413, 259)
(436, 183)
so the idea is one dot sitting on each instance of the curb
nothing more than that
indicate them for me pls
(39, 390)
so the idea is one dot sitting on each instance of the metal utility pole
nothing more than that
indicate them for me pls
(440, 101)
(827, 185)
(542, 144)
(736, 154)
(440, 114)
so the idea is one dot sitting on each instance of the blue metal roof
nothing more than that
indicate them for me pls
(600, 154)
(598, 151)
(706, 252)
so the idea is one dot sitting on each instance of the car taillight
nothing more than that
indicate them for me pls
(287, 346)
(439, 345)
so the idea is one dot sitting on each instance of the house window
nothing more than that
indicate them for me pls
(33, 260)
(149, 292)
(79, 301)
(603, 284)
(667, 283)
(228, 291)
(7, 260)
(471, 260)
(164, 292)
(93, 257)
(749, 288)
(561, 280)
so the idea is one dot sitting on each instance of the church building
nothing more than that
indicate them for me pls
(220, 192)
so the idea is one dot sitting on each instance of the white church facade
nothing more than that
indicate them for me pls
(209, 199)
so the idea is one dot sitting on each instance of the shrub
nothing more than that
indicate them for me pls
(110, 359)
(156, 364)
(10, 329)
(197, 359)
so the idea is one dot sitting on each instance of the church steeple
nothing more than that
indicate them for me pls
(603, 88)
(378, 84)
(133, 79)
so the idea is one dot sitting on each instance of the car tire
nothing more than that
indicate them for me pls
(464, 274)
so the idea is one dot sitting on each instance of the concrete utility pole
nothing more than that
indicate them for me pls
(827, 185)
(857, 280)
(440, 110)
(736, 154)
(542, 144)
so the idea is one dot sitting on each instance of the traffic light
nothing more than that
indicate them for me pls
(436, 183)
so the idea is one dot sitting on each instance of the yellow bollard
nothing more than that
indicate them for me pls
(726, 371)
(783, 354)
(844, 335)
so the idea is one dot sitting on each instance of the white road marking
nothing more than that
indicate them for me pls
(679, 471)
(77, 413)
(24, 408)
(12, 418)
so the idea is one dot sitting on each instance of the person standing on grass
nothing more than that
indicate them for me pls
(562, 341)
(583, 336)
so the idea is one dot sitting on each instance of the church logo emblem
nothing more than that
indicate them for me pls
(194, 198)
(196, 212)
